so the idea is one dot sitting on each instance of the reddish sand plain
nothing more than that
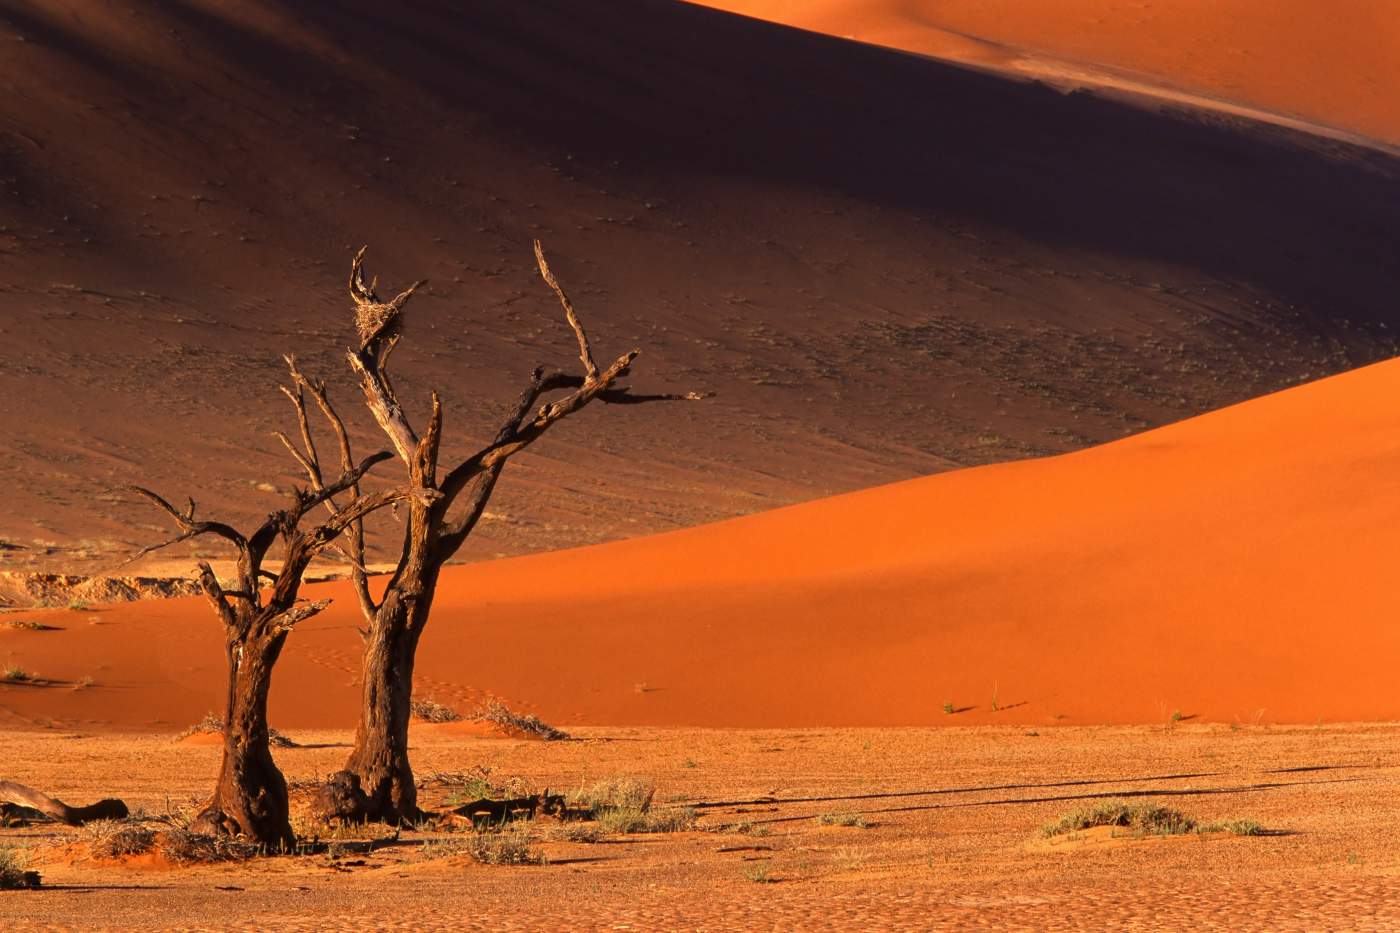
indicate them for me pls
(884, 265)
(1332, 64)
(951, 837)
(1235, 567)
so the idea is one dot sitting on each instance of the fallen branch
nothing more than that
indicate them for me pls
(57, 810)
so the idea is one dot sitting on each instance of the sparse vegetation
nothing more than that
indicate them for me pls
(622, 805)
(1233, 827)
(187, 847)
(844, 819)
(501, 715)
(476, 784)
(116, 838)
(949, 709)
(13, 874)
(29, 625)
(623, 792)
(576, 832)
(758, 873)
(429, 711)
(509, 846)
(16, 675)
(1144, 820)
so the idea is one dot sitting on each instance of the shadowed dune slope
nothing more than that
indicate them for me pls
(1329, 63)
(885, 265)
(1236, 566)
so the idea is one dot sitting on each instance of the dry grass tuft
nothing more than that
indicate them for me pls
(16, 675)
(844, 819)
(510, 846)
(1144, 820)
(622, 792)
(429, 711)
(622, 805)
(576, 832)
(13, 874)
(117, 838)
(185, 847)
(29, 625)
(499, 714)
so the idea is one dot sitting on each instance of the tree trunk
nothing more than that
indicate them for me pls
(380, 756)
(250, 798)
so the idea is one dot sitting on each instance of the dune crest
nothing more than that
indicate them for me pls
(1330, 65)
(1232, 567)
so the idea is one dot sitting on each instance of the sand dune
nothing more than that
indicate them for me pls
(886, 266)
(1236, 566)
(1330, 64)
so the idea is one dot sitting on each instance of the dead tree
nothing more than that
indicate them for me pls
(377, 782)
(250, 797)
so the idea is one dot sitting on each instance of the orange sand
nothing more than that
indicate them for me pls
(1333, 63)
(1236, 566)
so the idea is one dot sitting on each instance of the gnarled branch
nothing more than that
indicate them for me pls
(25, 796)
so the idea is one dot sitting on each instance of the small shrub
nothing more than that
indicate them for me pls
(116, 838)
(185, 847)
(625, 820)
(1145, 820)
(16, 675)
(29, 625)
(13, 874)
(623, 792)
(429, 711)
(1234, 828)
(949, 709)
(510, 846)
(476, 784)
(843, 819)
(501, 715)
(758, 873)
(576, 832)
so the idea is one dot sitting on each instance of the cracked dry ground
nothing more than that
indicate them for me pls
(952, 839)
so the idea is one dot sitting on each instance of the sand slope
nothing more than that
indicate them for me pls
(885, 265)
(1328, 63)
(1235, 566)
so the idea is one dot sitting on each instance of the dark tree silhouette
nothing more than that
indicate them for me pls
(377, 781)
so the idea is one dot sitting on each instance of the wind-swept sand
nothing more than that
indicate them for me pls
(951, 840)
(1332, 64)
(1236, 567)
(885, 265)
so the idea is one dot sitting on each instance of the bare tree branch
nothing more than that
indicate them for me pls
(585, 353)
(58, 811)
(298, 613)
(354, 550)
(209, 583)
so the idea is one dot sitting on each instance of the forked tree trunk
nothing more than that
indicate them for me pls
(377, 781)
(250, 796)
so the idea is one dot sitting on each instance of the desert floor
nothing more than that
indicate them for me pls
(953, 840)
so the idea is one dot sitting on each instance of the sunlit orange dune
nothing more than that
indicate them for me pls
(1329, 63)
(1239, 565)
